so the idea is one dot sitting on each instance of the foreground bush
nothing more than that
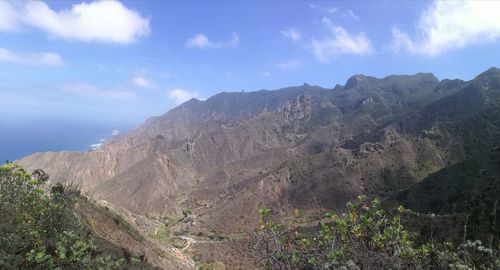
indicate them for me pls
(38, 229)
(364, 237)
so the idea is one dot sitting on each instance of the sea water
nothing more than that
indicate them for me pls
(21, 139)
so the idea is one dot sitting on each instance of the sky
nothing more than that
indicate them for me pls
(122, 62)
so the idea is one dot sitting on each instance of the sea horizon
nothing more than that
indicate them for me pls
(18, 140)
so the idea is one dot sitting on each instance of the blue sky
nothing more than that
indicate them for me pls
(121, 62)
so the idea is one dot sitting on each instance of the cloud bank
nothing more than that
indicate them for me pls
(8, 17)
(100, 21)
(450, 25)
(339, 41)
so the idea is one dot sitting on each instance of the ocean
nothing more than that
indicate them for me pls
(21, 139)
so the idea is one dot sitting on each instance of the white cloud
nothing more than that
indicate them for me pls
(332, 10)
(352, 15)
(348, 13)
(289, 65)
(339, 42)
(328, 10)
(179, 96)
(449, 25)
(143, 82)
(264, 74)
(292, 34)
(91, 90)
(9, 18)
(103, 21)
(31, 58)
(201, 41)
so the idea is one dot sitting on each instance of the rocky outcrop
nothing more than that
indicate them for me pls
(298, 108)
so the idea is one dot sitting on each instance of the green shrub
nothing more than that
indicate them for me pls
(363, 237)
(38, 229)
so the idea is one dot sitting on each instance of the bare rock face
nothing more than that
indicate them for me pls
(297, 109)
(300, 147)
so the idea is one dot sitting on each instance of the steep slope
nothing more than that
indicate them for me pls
(120, 233)
(445, 191)
(466, 123)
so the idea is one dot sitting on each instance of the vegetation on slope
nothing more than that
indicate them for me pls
(364, 237)
(38, 229)
(469, 189)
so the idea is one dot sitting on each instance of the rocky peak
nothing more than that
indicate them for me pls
(427, 77)
(490, 72)
(360, 80)
(490, 78)
(355, 81)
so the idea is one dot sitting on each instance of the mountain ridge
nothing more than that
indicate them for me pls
(301, 147)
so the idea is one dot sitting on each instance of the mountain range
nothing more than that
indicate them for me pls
(411, 138)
